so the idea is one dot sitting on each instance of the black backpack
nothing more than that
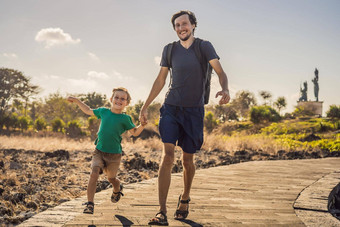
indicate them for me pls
(206, 67)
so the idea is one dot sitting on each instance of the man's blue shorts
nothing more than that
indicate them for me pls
(182, 125)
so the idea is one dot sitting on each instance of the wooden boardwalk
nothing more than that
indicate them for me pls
(263, 193)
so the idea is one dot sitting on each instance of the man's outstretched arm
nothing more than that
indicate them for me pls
(155, 90)
(215, 63)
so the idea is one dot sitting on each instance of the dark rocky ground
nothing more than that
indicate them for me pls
(32, 181)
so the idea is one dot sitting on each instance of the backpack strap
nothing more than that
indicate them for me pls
(169, 54)
(200, 56)
(206, 68)
(169, 59)
(198, 53)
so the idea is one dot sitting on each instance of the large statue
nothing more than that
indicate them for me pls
(303, 91)
(316, 84)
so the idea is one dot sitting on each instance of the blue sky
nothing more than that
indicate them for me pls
(86, 46)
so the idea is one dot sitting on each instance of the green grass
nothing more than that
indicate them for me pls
(287, 134)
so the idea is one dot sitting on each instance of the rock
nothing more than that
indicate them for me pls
(2, 164)
(53, 164)
(280, 153)
(138, 163)
(29, 214)
(63, 200)
(12, 151)
(243, 155)
(9, 182)
(43, 163)
(32, 205)
(18, 198)
(177, 167)
(296, 155)
(102, 185)
(315, 154)
(310, 137)
(5, 211)
(60, 154)
(146, 134)
(15, 165)
(29, 188)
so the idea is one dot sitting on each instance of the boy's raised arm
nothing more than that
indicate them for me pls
(85, 108)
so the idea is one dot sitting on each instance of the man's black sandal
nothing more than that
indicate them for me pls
(89, 208)
(115, 197)
(159, 220)
(182, 213)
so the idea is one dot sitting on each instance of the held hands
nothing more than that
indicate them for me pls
(225, 96)
(143, 117)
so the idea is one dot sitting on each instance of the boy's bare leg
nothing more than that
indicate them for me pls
(164, 174)
(188, 176)
(111, 171)
(91, 188)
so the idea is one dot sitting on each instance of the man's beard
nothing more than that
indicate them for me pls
(185, 38)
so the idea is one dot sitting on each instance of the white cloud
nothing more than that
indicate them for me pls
(10, 55)
(116, 73)
(157, 60)
(54, 77)
(48, 77)
(93, 57)
(99, 75)
(54, 36)
(84, 84)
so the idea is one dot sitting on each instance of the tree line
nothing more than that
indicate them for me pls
(20, 109)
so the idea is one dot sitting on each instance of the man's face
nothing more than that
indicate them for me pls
(183, 27)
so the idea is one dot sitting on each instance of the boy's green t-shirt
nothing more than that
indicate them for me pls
(112, 126)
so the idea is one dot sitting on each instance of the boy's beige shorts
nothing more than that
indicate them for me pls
(102, 159)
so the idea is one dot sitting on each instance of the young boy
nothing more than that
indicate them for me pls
(108, 152)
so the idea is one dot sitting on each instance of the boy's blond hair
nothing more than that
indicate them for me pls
(122, 89)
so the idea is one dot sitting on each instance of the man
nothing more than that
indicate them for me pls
(182, 113)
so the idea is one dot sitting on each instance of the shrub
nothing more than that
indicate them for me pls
(302, 111)
(10, 120)
(93, 125)
(210, 122)
(23, 123)
(40, 124)
(325, 127)
(259, 114)
(74, 129)
(58, 125)
(334, 111)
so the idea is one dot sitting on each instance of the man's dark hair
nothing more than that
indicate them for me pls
(191, 15)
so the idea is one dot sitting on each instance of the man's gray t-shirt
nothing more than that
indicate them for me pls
(187, 87)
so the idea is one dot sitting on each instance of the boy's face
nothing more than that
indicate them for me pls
(119, 100)
(183, 27)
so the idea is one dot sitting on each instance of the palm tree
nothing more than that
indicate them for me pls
(280, 103)
(265, 95)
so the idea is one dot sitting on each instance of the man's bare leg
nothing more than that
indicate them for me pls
(164, 174)
(188, 176)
